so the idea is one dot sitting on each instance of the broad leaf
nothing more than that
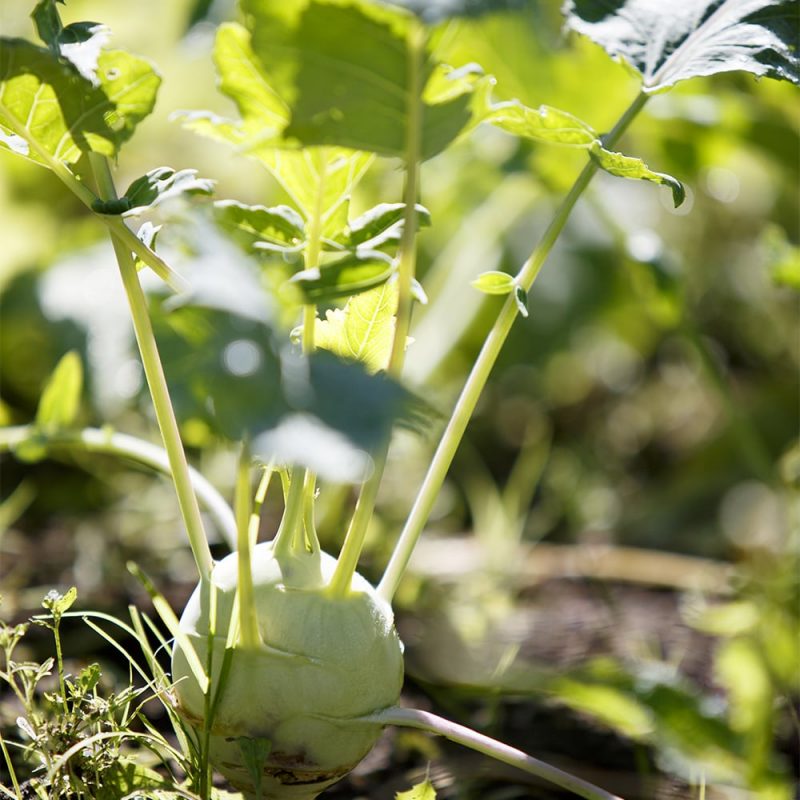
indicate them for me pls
(164, 183)
(363, 330)
(380, 223)
(349, 275)
(350, 76)
(280, 226)
(44, 102)
(233, 375)
(543, 124)
(670, 42)
(628, 167)
(257, 133)
(79, 43)
(61, 398)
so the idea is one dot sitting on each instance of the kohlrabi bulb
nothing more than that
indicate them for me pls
(324, 661)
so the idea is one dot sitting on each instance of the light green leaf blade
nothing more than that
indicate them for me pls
(364, 329)
(164, 183)
(257, 133)
(373, 225)
(421, 791)
(60, 114)
(280, 225)
(349, 275)
(494, 282)
(670, 42)
(629, 167)
(543, 124)
(61, 397)
(346, 71)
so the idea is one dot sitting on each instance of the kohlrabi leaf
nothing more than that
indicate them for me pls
(47, 109)
(164, 183)
(543, 124)
(670, 42)
(352, 75)
(230, 374)
(61, 398)
(348, 275)
(370, 228)
(263, 115)
(420, 791)
(79, 43)
(280, 226)
(363, 330)
(629, 167)
(494, 282)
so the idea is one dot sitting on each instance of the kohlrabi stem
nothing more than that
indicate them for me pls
(423, 720)
(115, 223)
(157, 383)
(108, 442)
(248, 624)
(292, 515)
(365, 505)
(481, 369)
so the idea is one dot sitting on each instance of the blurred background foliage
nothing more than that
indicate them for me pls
(644, 417)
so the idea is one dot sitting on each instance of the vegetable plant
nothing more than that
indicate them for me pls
(286, 665)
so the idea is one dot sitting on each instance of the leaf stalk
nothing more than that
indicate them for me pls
(479, 375)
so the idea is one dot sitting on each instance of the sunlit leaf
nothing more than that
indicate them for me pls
(353, 273)
(670, 42)
(164, 183)
(345, 71)
(364, 329)
(232, 373)
(424, 790)
(263, 115)
(61, 398)
(279, 225)
(629, 167)
(58, 604)
(57, 112)
(373, 226)
(542, 124)
(494, 282)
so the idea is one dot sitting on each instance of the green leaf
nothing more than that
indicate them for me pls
(420, 791)
(374, 227)
(346, 70)
(670, 42)
(630, 167)
(494, 282)
(349, 275)
(263, 116)
(364, 329)
(543, 124)
(61, 397)
(44, 102)
(254, 753)
(233, 374)
(281, 225)
(164, 183)
(58, 604)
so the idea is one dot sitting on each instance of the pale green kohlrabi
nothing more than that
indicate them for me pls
(286, 723)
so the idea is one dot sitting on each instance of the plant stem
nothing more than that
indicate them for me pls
(365, 505)
(248, 625)
(107, 442)
(292, 515)
(157, 383)
(423, 720)
(481, 369)
(115, 223)
(11, 770)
